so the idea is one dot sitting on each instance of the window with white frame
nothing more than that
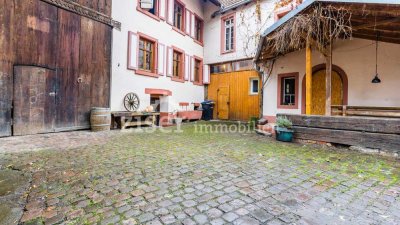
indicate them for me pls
(254, 86)
(229, 34)
(149, 7)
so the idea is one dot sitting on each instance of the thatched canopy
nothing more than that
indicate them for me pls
(321, 21)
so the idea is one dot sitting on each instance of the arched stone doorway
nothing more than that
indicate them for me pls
(339, 89)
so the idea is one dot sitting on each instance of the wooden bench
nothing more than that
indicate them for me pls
(123, 120)
(186, 114)
(343, 110)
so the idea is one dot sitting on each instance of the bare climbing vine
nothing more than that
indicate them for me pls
(322, 25)
(252, 23)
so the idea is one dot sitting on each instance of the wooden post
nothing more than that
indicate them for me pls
(328, 100)
(308, 78)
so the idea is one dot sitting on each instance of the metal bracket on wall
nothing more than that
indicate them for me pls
(85, 11)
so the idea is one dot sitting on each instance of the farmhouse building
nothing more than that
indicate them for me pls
(60, 58)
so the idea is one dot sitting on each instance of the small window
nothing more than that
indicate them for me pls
(198, 24)
(288, 91)
(254, 86)
(232, 66)
(147, 55)
(229, 34)
(149, 7)
(177, 65)
(197, 71)
(179, 16)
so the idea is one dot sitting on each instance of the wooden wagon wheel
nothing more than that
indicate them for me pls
(131, 102)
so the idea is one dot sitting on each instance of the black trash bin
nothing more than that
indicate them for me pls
(208, 109)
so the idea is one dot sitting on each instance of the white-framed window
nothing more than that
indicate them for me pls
(150, 8)
(229, 34)
(254, 86)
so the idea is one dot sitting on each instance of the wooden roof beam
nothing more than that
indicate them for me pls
(378, 23)
(373, 37)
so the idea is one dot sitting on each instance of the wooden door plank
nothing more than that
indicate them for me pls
(36, 33)
(86, 71)
(68, 63)
(7, 57)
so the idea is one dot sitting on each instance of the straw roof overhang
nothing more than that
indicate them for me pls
(368, 19)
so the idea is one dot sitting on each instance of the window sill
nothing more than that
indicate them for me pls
(288, 107)
(146, 73)
(254, 94)
(155, 17)
(179, 31)
(198, 83)
(199, 42)
(227, 52)
(178, 80)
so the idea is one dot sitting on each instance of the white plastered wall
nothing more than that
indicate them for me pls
(357, 59)
(246, 26)
(125, 81)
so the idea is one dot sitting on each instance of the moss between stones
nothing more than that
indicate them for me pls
(10, 181)
(9, 215)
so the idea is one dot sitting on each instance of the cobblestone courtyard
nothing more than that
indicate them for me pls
(191, 178)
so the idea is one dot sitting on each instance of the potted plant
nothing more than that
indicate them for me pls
(283, 129)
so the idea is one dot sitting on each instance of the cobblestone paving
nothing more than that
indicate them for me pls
(202, 178)
(66, 140)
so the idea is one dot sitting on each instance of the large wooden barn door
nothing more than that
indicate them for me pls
(41, 34)
(34, 100)
(223, 103)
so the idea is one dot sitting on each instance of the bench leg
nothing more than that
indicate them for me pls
(123, 123)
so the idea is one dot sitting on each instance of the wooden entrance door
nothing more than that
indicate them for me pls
(223, 103)
(34, 100)
(242, 103)
(319, 91)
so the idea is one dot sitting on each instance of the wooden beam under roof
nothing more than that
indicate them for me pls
(376, 24)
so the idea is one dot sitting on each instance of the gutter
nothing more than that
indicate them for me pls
(304, 6)
(231, 7)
